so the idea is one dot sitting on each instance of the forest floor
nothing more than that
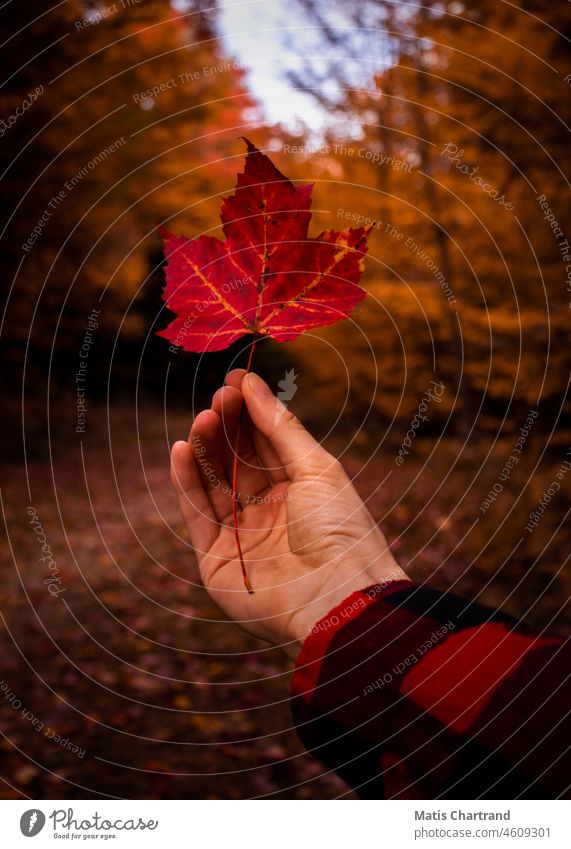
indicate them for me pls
(136, 669)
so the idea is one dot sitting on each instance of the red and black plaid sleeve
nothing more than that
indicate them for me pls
(412, 693)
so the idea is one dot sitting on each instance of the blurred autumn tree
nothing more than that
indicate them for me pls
(435, 108)
(94, 164)
(449, 144)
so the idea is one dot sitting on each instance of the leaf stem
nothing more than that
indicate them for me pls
(246, 580)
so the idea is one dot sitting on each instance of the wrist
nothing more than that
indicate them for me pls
(339, 586)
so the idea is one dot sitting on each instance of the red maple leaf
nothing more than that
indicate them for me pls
(268, 277)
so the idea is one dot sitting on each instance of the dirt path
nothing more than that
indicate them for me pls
(121, 679)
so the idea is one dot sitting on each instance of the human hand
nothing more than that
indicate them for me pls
(307, 538)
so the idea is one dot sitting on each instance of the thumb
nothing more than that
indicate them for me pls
(296, 449)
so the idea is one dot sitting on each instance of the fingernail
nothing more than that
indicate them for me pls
(257, 385)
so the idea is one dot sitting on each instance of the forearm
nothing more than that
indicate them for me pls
(412, 693)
